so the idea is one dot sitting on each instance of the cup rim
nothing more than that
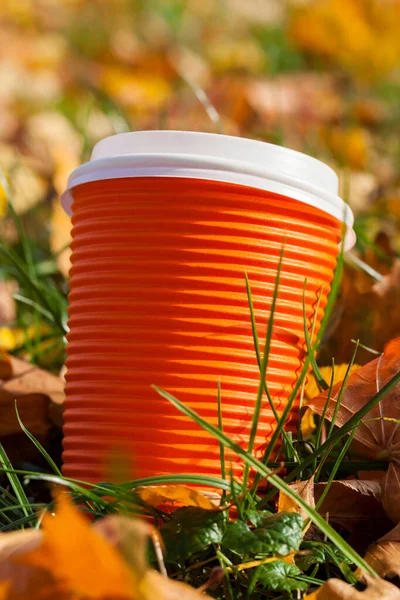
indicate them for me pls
(215, 157)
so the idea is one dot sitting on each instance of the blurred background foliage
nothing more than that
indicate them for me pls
(319, 76)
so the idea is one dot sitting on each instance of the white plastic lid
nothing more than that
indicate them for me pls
(215, 157)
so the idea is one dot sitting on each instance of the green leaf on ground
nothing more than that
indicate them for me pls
(319, 553)
(278, 576)
(275, 534)
(257, 516)
(191, 530)
(281, 533)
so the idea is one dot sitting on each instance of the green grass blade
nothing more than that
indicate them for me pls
(259, 362)
(317, 373)
(220, 425)
(36, 288)
(37, 444)
(15, 483)
(263, 368)
(347, 427)
(35, 305)
(337, 464)
(276, 481)
(341, 392)
(318, 432)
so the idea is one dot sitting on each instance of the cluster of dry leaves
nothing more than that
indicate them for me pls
(45, 563)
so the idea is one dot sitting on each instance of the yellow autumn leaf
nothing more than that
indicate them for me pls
(312, 388)
(136, 90)
(160, 494)
(307, 423)
(3, 201)
(350, 147)
(305, 489)
(11, 338)
(78, 556)
(360, 36)
(289, 559)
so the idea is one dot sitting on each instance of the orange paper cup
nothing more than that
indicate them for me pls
(165, 226)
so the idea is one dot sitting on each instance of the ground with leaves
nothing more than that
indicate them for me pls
(319, 76)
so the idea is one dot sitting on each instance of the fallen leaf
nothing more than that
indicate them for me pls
(29, 379)
(384, 555)
(156, 495)
(312, 389)
(378, 433)
(368, 49)
(39, 397)
(307, 423)
(388, 313)
(138, 91)
(28, 187)
(155, 586)
(67, 537)
(309, 97)
(130, 539)
(7, 302)
(335, 589)
(5, 365)
(70, 559)
(349, 147)
(12, 545)
(305, 489)
(356, 506)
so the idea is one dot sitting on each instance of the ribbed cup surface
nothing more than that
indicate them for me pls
(158, 297)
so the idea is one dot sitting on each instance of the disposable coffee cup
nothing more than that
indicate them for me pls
(165, 226)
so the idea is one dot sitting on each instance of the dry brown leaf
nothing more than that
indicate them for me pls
(309, 97)
(156, 495)
(7, 302)
(11, 545)
(379, 432)
(28, 379)
(335, 589)
(388, 293)
(384, 556)
(39, 397)
(5, 365)
(356, 506)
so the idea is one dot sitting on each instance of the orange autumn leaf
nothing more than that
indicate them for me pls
(70, 559)
(335, 589)
(155, 495)
(78, 556)
(378, 434)
(305, 489)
